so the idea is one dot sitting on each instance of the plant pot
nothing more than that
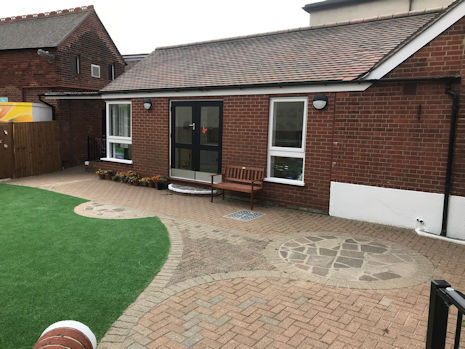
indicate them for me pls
(151, 185)
(101, 176)
(135, 183)
(108, 176)
(162, 185)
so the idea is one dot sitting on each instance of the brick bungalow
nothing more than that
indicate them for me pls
(379, 151)
(66, 50)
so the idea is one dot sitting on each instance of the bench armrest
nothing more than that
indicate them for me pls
(213, 176)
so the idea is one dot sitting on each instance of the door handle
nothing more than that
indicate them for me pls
(193, 126)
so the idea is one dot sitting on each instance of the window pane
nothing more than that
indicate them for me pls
(183, 159)
(288, 124)
(288, 168)
(121, 151)
(183, 132)
(120, 120)
(208, 161)
(209, 125)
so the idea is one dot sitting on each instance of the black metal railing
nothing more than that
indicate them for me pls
(441, 298)
(96, 148)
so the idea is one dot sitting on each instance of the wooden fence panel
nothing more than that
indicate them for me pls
(36, 148)
(6, 150)
(33, 148)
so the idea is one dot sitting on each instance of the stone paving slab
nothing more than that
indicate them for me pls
(355, 261)
(224, 285)
(100, 210)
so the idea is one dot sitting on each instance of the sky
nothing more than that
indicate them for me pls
(140, 26)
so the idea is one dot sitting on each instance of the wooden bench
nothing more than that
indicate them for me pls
(240, 179)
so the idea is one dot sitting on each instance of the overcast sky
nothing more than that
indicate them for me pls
(139, 26)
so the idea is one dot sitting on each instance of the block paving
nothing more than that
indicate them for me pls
(225, 283)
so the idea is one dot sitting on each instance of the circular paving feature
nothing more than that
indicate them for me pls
(106, 211)
(352, 261)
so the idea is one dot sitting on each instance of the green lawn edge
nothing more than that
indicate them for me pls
(57, 265)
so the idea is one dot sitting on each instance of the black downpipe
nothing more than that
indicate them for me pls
(50, 105)
(450, 157)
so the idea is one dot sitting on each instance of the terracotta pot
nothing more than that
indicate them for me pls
(101, 176)
(151, 185)
(108, 176)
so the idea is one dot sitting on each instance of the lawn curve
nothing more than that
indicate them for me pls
(57, 265)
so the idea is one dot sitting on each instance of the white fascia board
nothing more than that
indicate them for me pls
(344, 87)
(420, 41)
(73, 97)
(348, 87)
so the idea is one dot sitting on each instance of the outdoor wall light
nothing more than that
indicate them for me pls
(320, 101)
(147, 104)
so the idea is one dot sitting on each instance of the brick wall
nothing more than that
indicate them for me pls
(77, 120)
(383, 138)
(94, 46)
(24, 68)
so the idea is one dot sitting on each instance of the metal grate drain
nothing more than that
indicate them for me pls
(244, 215)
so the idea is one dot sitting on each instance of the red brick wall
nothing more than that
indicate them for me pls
(382, 139)
(24, 68)
(395, 148)
(94, 46)
(77, 120)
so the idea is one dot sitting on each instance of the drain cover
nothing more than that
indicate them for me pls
(244, 215)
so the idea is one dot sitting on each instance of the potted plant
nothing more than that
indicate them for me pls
(133, 178)
(162, 182)
(153, 182)
(144, 181)
(108, 174)
(121, 176)
(100, 173)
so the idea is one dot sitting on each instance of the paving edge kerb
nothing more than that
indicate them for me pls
(150, 297)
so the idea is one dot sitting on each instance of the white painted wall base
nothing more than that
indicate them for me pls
(397, 207)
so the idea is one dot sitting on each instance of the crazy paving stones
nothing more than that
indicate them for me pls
(356, 260)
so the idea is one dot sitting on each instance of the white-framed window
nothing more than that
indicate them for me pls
(286, 140)
(119, 132)
(95, 71)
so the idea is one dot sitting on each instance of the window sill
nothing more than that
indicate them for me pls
(121, 161)
(284, 181)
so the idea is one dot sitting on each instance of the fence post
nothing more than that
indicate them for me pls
(437, 317)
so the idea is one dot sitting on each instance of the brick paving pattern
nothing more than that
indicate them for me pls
(225, 285)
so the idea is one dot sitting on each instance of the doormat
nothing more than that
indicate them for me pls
(244, 215)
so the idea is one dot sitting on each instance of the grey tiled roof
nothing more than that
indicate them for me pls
(47, 31)
(337, 52)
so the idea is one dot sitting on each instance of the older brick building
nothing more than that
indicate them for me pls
(60, 51)
(379, 151)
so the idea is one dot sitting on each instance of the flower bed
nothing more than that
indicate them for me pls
(159, 182)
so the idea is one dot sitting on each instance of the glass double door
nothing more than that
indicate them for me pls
(196, 132)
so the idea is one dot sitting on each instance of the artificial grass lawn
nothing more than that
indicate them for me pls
(56, 265)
